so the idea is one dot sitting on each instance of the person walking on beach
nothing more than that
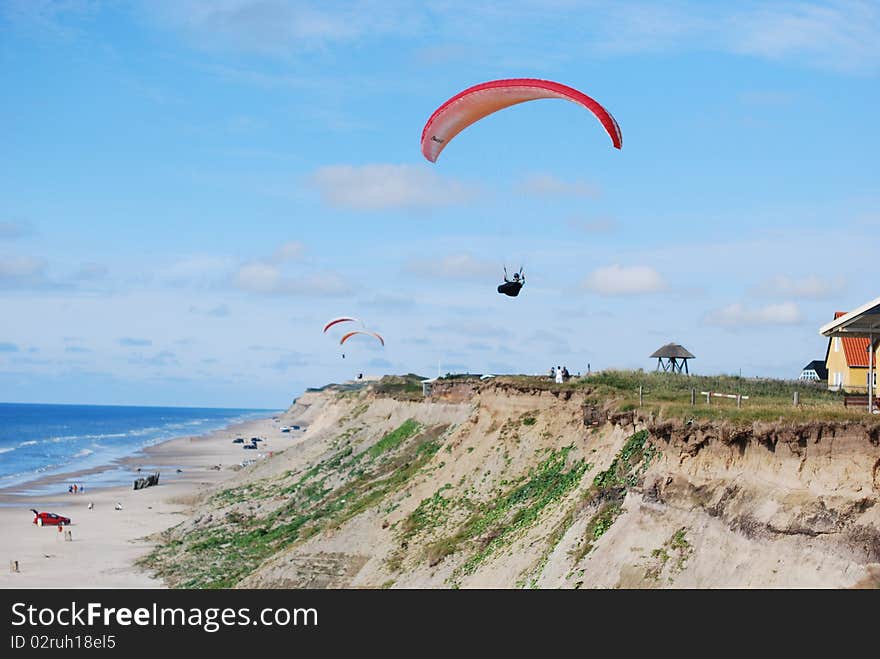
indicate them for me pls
(74, 488)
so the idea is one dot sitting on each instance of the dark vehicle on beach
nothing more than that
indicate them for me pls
(256, 439)
(249, 446)
(49, 519)
(238, 440)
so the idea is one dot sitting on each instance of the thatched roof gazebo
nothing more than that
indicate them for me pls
(672, 358)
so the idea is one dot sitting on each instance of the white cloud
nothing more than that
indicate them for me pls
(547, 185)
(259, 278)
(598, 225)
(839, 35)
(220, 311)
(267, 279)
(455, 266)
(810, 287)
(14, 230)
(90, 272)
(736, 315)
(390, 302)
(828, 34)
(471, 329)
(22, 272)
(163, 358)
(290, 360)
(385, 186)
(625, 280)
(131, 342)
(197, 270)
(275, 27)
(292, 250)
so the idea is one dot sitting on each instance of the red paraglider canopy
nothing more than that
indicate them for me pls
(481, 100)
(350, 334)
(340, 320)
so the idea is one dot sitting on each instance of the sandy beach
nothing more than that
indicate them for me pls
(106, 542)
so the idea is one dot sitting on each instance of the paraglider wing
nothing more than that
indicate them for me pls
(481, 100)
(351, 334)
(340, 320)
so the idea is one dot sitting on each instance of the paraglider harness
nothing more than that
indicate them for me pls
(512, 287)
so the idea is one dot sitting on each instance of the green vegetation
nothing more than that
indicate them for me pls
(677, 545)
(400, 387)
(220, 552)
(669, 395)
(395, 438)
(610, 487)
(430, 513)
(622, 472)
(495, 523)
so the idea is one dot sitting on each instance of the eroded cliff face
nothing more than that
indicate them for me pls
(503, 486)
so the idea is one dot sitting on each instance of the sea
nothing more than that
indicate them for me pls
(38, 440)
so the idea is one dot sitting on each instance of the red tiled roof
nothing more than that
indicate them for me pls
(856, 351)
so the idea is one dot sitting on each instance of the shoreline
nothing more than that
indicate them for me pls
(146, 458)
(107, 542)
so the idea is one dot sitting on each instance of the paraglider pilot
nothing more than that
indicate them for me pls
(511, 287)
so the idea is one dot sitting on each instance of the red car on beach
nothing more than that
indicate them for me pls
(49, 519)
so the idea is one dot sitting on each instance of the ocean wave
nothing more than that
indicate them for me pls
(68, 438)
(63, 445)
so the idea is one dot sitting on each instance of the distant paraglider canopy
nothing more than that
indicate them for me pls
(344, 319)
(351, 334)
(474, 103)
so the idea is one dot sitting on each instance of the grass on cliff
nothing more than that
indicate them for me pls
(220, 552)
(400, 387)
(495, 523)
(668, 395)
(610, 486)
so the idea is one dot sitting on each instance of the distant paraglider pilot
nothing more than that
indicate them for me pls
(512, 286)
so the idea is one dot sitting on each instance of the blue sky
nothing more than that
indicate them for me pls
(189, 190)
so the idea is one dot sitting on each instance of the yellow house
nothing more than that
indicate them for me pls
(847, 362)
